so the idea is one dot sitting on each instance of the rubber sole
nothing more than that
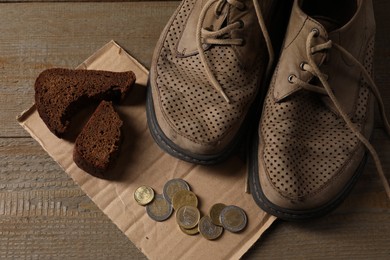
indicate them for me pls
(288, 214)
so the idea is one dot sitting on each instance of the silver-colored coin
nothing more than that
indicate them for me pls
(233, 218)
(159, 209)
(208, 229)
(173, 186)
(188, 217)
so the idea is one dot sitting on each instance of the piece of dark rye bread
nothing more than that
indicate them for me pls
(97, 146)
(61, 93)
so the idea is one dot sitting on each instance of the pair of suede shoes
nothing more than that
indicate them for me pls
(214, 79)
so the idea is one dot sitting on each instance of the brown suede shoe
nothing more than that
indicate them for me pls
(318, 114)
(207, 70)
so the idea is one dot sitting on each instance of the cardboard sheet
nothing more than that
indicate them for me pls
(141, 162)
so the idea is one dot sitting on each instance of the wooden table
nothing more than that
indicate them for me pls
(45, 215)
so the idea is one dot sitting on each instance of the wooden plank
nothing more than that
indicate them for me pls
(43, 35)
(63, 238)
(358, 229)
(44, 214)
(74, 1)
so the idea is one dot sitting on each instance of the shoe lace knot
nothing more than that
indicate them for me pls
(312, 67)
(208, 36)
(221, 36)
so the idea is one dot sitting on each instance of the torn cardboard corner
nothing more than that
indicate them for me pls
(141, 162)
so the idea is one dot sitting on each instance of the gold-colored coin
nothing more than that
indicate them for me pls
(208, 229)
(184, 198)
(187, 217)
(173, 186)
(233, 218)
(160, 209)
(144, 195)
(215, 212)
(190, 232)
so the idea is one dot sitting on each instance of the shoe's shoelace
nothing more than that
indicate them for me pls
(205, 36)
(313, 68)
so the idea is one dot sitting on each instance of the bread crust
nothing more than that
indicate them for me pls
(61, 93)
(97, 146)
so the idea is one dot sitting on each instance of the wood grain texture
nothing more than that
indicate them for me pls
(358, 229)
(71, 1)
(44, 215)
(37, 36)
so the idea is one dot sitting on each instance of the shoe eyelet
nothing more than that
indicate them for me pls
(316, 32)
(241, 24)
(291, 78)
(302, 65)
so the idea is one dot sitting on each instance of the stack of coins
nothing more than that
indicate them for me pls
(185, 202)
(222, 217)
(178, 196)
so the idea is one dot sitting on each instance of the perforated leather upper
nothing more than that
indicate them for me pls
(184, 97)
(307, 152)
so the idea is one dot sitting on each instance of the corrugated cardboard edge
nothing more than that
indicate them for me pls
(102, 50)
(266, 222)
(23, 116)
(28, 112)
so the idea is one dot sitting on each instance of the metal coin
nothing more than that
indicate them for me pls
(144, 195)
(173, 186)
(233, 218)
(187, 217)
(208, 229)
(215, 212)
(184, 198)
(190, 232)
(160, 209)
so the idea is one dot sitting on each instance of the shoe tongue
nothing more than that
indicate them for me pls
(187, 43)
(328, 23)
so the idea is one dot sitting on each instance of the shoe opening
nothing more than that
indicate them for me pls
(332, 14)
